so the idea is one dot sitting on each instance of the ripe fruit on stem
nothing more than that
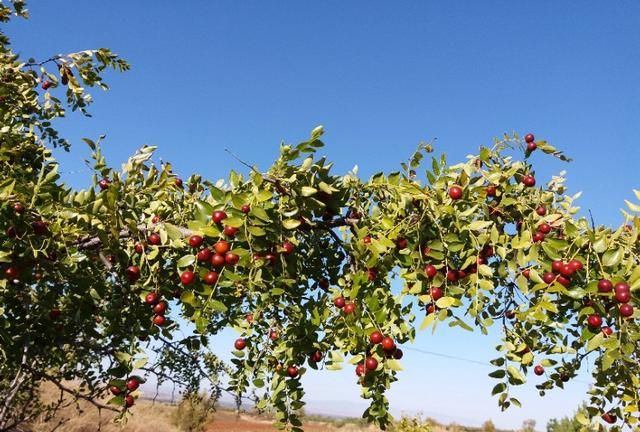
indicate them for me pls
(230, 231)
(133, 384)
(115, 390)
(435, 293)
(490, 191)
(538, 370)
(218, 216)
(529, 181)
(626, 310)
(605, 286)
(152, 298)
(455, 192)
(360, 370)
(217, 260)
(388, 344)
(231, 259)
(371, 363)
(339, 302)
(133, 273)
(529, 138)
(430, 271)
(594, 321)
(204, 255)
(211, 278)
(544, 228)
(246, 208)
(195, 241)
(538, 237)
(316, 356)
(159, 320)
(129, 401)
(292, 371)
(376, 337)
(139, 248)
(160, 308)
(103, 184)
(186, 278)
(221, 247)
(288, 248)
(154, 239)
(349, 308)
(541, 211)
(240, 344)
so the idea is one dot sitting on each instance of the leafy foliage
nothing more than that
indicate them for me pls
(299, 261)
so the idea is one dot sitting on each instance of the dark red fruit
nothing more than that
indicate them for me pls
(398, 354)
(133, 273)
(160, 308)
(316, 356)
(594, 321)
(372, 274)
(272, 258)
(179, 182)
(40, 227)
(376, 337)
(218, 216)
(288, 248)
(431, 308)
(133, 384)
(292, 371)
(531, 146)
(349, 308)
(366, 239)
(231, 259)
(240, 344)
(371, 363)
(538, 237)
(435, 293)
(46, 84)
(159, 320)
(211, 278)
(217, 260)
(541, 211)
(12, 273)
(548, 278)
(526, 273)
(273, 335)
(246, 208)
(576, 265)
(129, 401)
(402, 243)
(529, 138)
(221, 247)
(544, 228)
(104, 184)
(154, 239)
(626, 310)
(139, 248)
(339, 302)
(230, 231)
(609, 418)
(452, 275)
(538, 370)
(55, 313)
(388, 344)
(360, 370)
(430, 271)
(491, 191)
(19, 208)
(563, 281)
(195, 241)
(152, 298)
(455, 192)
(115, 390)
(529, 181)
(324, 284)
(607, 331)
(186, 278)
(204, 255)
(622, 287)
(623, 296)
(566, 270)
(605, 286)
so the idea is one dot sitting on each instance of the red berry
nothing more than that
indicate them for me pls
(430, 271)
(218, 216)
(195, 241)
(452, 275)
(154, 239)
(139, 248)
(152, 298)
(566, 270)
(288, 248)
(376, 337)
(155, 219)
(622, 287)
(129, 401)
(608, 331)
(133, 384)
(435, 293)
(204, 255)
(605, 286)
(159, 320)
(46, 84)
(187, 277)
(490, 191)
(623, 296)
(563, 281)
(273, 335)
(103, 184)
(160, 308)
(594, 321)
(133, 273)
(538, 370)
(245, 208)
(12, 273)
(366, 239)
(19, 208)
(541, 211)
(339, 302)
(360, 370)
(538, 237)
(548, 278)
(531, 146)
(372, 274)
(115, 390)
(272, 258)
(324, 284)
(221, 247)
(211, 278)
(388, 344)
(231, 259)
(349, 308)
(529, 138)
(371, 363)
(178, 182)
(455, 192)
(576, 265)
(398, 354)
(217, 260)
(431, 308)
(529, 181)
(544, 228)
(526, 273)
(230, 231)
(609, 418)
(402, 243)
(292, 371)
(240, 344)
(626, 310)
(316, 357)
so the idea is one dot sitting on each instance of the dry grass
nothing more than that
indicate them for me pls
(147, 417)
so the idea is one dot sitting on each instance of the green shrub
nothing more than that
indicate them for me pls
(194, 413)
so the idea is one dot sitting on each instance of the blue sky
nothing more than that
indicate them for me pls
(381, 77)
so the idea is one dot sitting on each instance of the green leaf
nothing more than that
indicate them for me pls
(291, 223)
(256, 231)
(595, 342)
(186, 261)
(218, 306)
(235, 222)
(188, 297)
(308, 191)
(445, 302)
(393, 365)
(173, 232)
(515, 374)
(498, 374)
(203, 211)
(612, 257)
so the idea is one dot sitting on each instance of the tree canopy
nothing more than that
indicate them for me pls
(299, 260)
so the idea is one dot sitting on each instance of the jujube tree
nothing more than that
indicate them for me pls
(300, 261)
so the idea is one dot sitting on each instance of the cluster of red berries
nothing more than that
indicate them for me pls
(347, 307)
(389, 347)
(130, 386)
(158, 306)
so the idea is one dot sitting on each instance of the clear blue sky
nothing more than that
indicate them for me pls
(380, 76)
